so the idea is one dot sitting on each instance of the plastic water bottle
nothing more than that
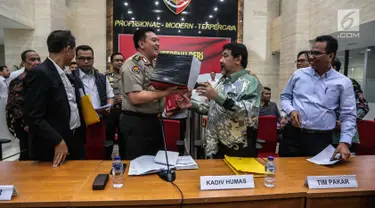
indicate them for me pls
(117, 172)
(269, 177)
(115, 151)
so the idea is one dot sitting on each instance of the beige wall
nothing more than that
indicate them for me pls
(323, 16)
(19, 11)
(276, 34)
(257, 36)
(85, 18)
(88, 25)
(18, 40)
(295, 35)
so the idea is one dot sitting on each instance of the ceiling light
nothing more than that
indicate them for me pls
(158, 18)
(126, 3)
(206, 22)
(179, 30)
(199, 32)
(222, 0)
(158, 30)
(133, 18)
(215, 9)
(182, 19)
(156, 3)
(210, 16)
(130, 12)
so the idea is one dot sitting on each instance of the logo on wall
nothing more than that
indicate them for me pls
(177, 6)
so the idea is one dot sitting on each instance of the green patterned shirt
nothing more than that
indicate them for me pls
(235, 108)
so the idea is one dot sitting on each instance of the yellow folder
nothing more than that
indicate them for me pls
(256, 175)
(245, 165)
(89, 114)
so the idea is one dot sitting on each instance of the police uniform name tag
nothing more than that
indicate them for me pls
(6, 192)
(338, 181)
(227, 182)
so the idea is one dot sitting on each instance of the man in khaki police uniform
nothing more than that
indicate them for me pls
(141, 103)
(112, 121)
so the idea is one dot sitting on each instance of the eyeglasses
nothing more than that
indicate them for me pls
(118, 60)
(315, 53)
(81, 58)
(300, 61)
(35, 59)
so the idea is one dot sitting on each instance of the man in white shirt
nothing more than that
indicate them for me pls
(52, 105)
(95, 84)
(4, 74)
(213, 81)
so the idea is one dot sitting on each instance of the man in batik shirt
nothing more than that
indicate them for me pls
(233, 108)
(361, 104)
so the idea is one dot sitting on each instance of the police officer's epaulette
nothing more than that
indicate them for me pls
(136, 58)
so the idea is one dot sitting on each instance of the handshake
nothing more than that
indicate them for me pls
(181, 101)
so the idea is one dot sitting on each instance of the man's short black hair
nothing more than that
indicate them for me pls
(267, 88)
(238, 49)
(2, 68)
(73, 62)
(332, 44)
(60, 39)
(24, 55)
(336, 62)
(141, 35)
(303, 52)
(115, 54)
(84, 48)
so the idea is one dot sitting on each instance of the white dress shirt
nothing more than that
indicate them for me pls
(91, 89)
(3, 88)
(75, 121)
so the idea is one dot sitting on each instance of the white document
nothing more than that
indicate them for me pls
(194, 72)
(104, 107)
(324, 157)
(161, 159)
(145, 165)
(186, 163)
(7, 191)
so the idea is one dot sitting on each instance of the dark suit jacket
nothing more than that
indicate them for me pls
(47, 112)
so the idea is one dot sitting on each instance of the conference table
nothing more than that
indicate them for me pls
(40, 185)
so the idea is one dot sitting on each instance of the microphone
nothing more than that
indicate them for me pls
(167, 175)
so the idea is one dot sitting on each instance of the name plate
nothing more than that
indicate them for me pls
(338, 181)
(6, 192)
(227, 182)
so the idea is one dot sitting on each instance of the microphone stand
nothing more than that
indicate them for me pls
(167, 175)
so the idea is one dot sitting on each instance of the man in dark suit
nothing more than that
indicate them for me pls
(52, 105)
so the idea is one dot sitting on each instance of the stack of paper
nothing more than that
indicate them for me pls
(242, 165)
(145, 165)
(148, 164)
(186, 163)
(162, 159)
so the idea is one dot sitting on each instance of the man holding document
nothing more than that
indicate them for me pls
(310, 98)
(142, 105)
(233, 109)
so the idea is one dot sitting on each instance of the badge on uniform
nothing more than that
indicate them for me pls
(136, 58)
(136, 69)
(144, 59)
